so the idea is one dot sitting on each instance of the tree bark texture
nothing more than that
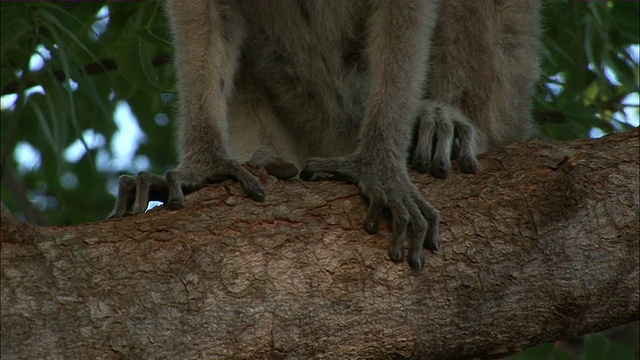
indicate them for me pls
(542, 245)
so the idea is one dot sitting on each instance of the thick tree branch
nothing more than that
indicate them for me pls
(542, 245)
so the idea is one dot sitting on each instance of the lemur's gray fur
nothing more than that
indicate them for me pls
(339, 88)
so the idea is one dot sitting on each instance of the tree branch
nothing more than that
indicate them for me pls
(542, 245)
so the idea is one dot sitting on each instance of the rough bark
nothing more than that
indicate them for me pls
(542, 245)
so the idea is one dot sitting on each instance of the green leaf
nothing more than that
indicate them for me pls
(135, 62)
(599, 347)
(625, 72)
(624, 23)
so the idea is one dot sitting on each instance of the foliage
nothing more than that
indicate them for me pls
(590, 347)
(590, 68)
(89, 57)
(67, 67)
